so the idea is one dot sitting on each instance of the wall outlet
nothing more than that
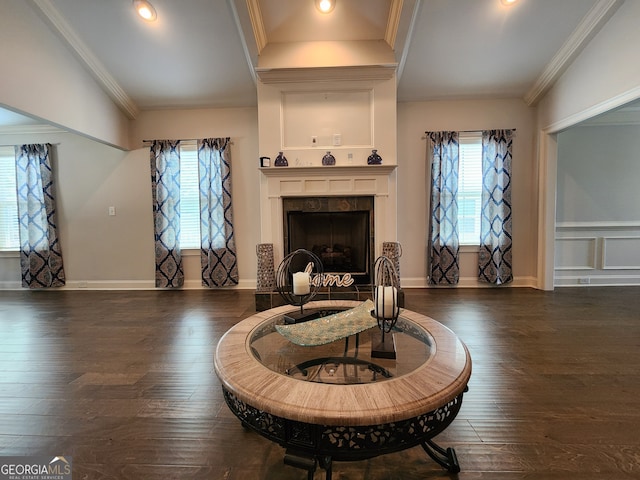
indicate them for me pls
(112, 211)
(584, 281)
(337, 139)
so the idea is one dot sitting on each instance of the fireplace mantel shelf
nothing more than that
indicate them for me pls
(345, 170)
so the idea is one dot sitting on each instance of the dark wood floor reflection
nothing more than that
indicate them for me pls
(123, 383)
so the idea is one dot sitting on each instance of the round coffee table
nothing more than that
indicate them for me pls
(337, 402)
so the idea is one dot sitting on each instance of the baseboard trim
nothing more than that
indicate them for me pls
(597, 281)
(127, 285)
(469, 282)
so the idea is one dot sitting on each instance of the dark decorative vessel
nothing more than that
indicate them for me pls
(374, 158)
(328, 159)
(281, 160)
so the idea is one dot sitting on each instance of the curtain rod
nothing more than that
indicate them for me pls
(183, 140)
(475, 131)
(20, 144)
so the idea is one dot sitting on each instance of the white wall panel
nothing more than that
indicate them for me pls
(575, 253)
(621, 253)
(597, 253)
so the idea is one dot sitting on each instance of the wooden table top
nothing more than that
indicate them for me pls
(439, 380)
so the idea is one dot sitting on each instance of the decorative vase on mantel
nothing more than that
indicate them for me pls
(281, 160)
(328, 159)
(374, 158)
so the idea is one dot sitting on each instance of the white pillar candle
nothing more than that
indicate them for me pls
(386, 302)
(301, 283)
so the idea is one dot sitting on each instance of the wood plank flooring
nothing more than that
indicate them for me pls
(123, 383)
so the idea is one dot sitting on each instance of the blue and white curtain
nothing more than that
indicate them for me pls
(40, 252)
(494, 261)
(165, 186)
(444, 249)
(218, 250)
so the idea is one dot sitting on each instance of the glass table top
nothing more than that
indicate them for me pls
(345, 361)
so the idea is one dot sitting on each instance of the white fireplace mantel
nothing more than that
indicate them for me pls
(378, 181)
(339, 170)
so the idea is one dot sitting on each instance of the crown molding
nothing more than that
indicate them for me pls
(29, 129)
(586, 30)
(326, 74)
(395, 12)
(614, 119)
(589, 113)
(90, 61)
(255, 14)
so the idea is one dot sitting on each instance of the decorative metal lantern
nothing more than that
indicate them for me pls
(393, 250)
(385, 298)
(298, 279)
(266, 276)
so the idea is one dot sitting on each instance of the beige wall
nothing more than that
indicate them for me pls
(98, 250)
(241, 125)
(48, 83)
(416, 118)
(102, 251)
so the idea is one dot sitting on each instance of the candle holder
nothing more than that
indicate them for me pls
(385, 298)
(298, 279)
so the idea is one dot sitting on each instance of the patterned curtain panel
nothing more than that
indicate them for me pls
(495, 223)
(218, 250)
(443, 153)
(40, 253)
(165, 187)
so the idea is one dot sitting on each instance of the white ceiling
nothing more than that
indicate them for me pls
(202, 53)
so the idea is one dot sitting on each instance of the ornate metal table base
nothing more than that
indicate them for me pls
(309, 446)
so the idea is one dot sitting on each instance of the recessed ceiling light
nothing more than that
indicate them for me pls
(508, 3)
(145, 10)
(325, 6)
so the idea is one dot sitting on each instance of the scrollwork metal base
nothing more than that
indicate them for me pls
(309, 445)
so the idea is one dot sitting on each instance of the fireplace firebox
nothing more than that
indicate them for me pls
(339, 230)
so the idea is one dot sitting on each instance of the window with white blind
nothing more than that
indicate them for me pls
(470, 188)
(189, 197)
(9, 236)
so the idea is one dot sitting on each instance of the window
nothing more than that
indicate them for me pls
(470, 188)
(9, 236)
(189, 197)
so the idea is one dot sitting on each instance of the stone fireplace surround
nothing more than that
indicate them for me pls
(377, 181)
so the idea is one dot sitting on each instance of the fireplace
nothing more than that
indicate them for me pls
(337, 229)
(336, 189)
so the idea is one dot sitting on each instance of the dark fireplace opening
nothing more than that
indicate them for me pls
(338, 230)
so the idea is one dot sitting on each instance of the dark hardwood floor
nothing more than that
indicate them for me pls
(123, 382)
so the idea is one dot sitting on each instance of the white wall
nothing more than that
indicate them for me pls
(47, 82)
(598, 206)
(605, 75)
(598, 174)
(416, 118)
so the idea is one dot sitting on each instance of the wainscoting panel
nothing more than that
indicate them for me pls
(621, 253)
(576, 253)
(597, 253)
